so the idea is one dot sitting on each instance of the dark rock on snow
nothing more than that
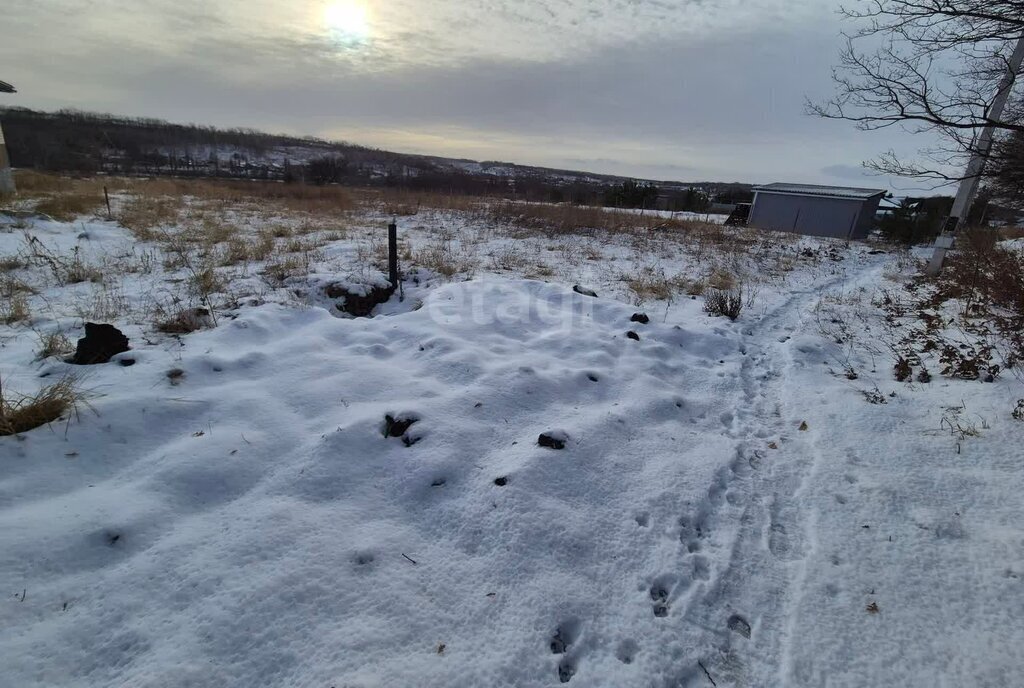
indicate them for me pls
(552, 440)
(356, 304)
(583, 290)
(633, 335)
(399, 427)
(640, 318)
(100, 343)
(501, 482)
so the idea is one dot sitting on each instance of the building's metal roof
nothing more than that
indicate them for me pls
(818, 190)
(6, 87)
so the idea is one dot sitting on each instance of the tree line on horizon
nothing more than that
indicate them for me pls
(72, 141)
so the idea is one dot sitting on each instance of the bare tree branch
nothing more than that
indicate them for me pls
(927, 66)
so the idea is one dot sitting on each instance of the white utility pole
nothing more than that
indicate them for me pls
(972, 177)
(6, 175)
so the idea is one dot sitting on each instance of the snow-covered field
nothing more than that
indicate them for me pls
(728, 509)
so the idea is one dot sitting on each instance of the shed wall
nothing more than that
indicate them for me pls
(839, 218)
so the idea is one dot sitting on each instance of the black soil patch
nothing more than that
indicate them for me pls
(640, 318)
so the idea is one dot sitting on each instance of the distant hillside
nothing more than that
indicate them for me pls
(73, 141)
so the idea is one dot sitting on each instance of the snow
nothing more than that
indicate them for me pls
(248, 523)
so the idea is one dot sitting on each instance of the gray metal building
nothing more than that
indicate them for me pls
(828, 211)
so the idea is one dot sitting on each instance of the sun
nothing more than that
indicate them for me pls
(347, 20)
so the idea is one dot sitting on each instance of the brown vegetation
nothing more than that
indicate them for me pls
(21, 413)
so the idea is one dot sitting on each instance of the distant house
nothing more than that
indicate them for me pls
(828, 211)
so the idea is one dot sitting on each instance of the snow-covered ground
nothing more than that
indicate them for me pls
(728, 508)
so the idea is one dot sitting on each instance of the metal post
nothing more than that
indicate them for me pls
(393, 253)
(972, 177)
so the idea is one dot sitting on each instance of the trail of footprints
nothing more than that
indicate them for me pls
(566, 635)
(701, 577)
(561, 644)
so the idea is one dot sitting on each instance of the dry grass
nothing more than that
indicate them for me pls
(73, 270)
(406, 202)
(14, 309)
(1007, 233)
(574, 219)
(182, 320)
(204, 281)
(63, 198)
(106, 303)
(444, 257)
(11, 285)
(219, 193)
(141, 215)
(653, 286)
(241, 250)
(65, 207)
(280, 271)
(11, 263)
(53, 344)
(21, 413)
(32, 183)
(721, 279)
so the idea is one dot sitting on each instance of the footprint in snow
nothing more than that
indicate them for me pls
(737, 624)
(566, 670)
(565, 636)
(660, 592)
(626, 651)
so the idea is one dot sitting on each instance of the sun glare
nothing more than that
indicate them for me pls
(347, 19)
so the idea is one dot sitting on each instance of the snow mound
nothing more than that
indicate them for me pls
(253, 525)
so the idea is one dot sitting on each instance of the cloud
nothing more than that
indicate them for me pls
(701, 90)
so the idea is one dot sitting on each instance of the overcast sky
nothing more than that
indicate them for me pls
(667, 89)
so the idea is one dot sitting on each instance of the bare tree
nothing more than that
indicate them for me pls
(1006, 171)
(929, 66)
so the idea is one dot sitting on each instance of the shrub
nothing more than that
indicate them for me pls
(724, 302)
(902, 369)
